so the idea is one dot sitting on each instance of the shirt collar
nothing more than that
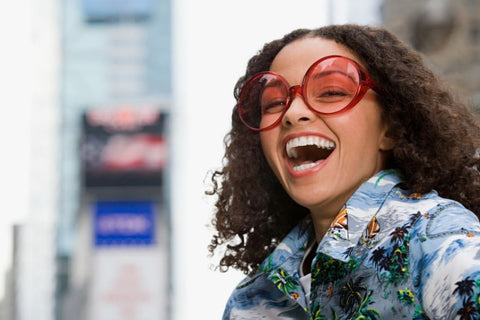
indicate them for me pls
(361, 208)
(359, 211)
(292, 246)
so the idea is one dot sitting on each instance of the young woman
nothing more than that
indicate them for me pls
(351, 184)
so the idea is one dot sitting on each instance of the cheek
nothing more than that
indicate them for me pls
(266, 141)
(269, 143)
(364, 124)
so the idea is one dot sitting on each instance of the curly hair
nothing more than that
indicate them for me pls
(437, 141)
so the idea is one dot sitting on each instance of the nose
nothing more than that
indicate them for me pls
(298, 111)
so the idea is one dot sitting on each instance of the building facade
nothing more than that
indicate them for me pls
(112, 248)
(447, 33)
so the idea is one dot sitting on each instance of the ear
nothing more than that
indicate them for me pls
(386, 143)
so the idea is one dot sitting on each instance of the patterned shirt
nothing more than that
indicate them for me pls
(389, 254)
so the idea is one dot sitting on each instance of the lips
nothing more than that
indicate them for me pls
(306, 152)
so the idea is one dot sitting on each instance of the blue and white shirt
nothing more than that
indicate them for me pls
(389, 254)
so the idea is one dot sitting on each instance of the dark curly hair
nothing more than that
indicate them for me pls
(437, 141)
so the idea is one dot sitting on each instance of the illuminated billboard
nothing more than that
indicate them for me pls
(124, 223)
(123, 147)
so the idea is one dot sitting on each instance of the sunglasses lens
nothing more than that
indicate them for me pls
(263, 100)
(331, 85)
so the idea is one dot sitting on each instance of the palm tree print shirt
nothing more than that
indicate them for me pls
(389, 254)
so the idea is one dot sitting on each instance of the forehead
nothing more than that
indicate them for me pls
(295, 58)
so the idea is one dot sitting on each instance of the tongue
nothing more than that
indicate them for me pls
(311, 154)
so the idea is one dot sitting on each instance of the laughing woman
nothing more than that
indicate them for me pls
(351, 184)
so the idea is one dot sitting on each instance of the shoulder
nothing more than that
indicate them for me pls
(444, 247)
(256, 297)
(432, 215)
(442, 218)
(434, 221)
(239, 298)
(446, 233)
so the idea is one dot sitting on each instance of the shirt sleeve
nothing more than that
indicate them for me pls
(446, 262)
(228, 307)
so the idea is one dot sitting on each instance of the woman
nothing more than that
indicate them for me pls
(350, 184)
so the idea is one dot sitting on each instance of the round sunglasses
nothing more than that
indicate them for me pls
(332, 84)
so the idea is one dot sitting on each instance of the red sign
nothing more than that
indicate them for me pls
(123, 147)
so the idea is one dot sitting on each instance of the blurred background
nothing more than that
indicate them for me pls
(114, 113)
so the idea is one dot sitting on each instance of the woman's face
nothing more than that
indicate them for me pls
(322, 179)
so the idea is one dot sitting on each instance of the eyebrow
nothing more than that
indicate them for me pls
(276, 82)
(273, 83)
(326, 73)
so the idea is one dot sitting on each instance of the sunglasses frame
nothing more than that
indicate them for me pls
(365, 83)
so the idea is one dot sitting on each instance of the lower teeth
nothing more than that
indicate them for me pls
(304, 166)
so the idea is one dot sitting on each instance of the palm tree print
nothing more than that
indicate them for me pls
(399, 234)
(284, 282)
(328, 270)
(361, 313)
(351, 294)
(468, 311)
(364, 313)
(413, 219)
(395, 262)
(318, 314)
(378, 255)
(464, 287)
(398, 267)
(385, 263)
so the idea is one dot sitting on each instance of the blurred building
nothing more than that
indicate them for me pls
(113, 248)
(447, 32)
(30, 283)
(8, 305)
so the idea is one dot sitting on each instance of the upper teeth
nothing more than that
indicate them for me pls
(307, 141)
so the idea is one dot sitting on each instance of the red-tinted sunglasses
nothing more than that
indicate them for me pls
(331, 85)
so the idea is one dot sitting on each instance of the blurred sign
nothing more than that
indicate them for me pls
(128, 284)
(124, 223)
(123, 147)
(116, 10)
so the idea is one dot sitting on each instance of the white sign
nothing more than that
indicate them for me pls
(128, 284)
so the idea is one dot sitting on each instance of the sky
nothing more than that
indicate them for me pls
(212, 42)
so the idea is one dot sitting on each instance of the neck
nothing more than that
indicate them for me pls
(321, 225)
(323, 217)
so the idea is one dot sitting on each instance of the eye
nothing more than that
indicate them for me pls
(331, 86)
(332, 93)
(329, 94)
(274, 107)
(273, 99)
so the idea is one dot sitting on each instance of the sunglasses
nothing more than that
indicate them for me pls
(331, 85)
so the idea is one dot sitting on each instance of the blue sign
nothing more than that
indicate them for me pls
(124, 223)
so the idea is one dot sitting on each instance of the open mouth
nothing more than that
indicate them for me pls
(308, 151)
